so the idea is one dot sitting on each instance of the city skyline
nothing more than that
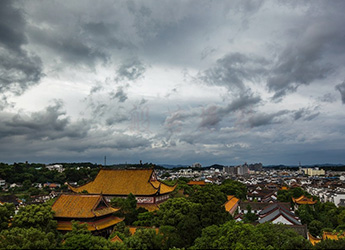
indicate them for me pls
(179, 82)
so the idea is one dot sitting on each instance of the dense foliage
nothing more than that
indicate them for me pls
(6, 212)
(234, 235)
(195, 218)
(322, 217)
(38, 173)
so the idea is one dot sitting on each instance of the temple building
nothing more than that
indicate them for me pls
(142, 183)
(232, 204)
(303, 200)
(278, 213)
(326, 235)
(93, 210)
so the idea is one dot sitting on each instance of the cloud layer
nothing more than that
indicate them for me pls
(176, 82)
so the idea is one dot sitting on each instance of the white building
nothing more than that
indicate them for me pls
(313, 171)
(56, 167)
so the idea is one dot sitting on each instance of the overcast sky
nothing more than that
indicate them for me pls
(173, 82)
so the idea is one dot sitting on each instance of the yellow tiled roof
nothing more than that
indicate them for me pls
(200, 183)
(232, 201)
(149, 207)
(116, 238)
(91, 226)
(164, 189)
(304, 200)
(313, 240)
(156, 184)
(124, 182)
(332, 236)
(80, 206)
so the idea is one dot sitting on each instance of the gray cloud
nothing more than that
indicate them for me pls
(120, 95)
(18, 69)
(212, 115)
(130, 70)
(105, 35)
(312, 55)
(330, 98)
(72, 48)
(341, 89)
(262, 119)
(233, 69)
(306, 114)
(48, 124)
(207, 116)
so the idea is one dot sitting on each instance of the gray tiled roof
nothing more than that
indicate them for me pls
(278, 212)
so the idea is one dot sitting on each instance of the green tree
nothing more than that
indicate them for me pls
(305, 214)
(27, 238)
(170, 237)
(145, 219)
(6, 212)
(182, 214)
(127, 208)
(120, 230)
(36, 216)
(315, 227)
(26, 184)
(144, 239)
(81, 238)
(234, 235)
(249, 216)
(212, 200)
(236, 188)
(331, 244)
(341, 218)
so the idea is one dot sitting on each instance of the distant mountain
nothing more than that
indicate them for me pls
(173, 166)
(305, 166)
(216, 166)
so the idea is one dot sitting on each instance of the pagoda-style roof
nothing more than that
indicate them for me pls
(276, 210)
(333, 236)
(149, 207)
(91, 225)
(231, 204)
(303, 200)
(124, 182)
(116, 238)
(326, 235)
(81, 206)
(313, 240)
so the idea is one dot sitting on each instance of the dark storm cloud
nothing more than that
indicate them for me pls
(212, 115)
(341, 89)
(18, 69)
(48, 124)
(233, 69)
(314, 53)
(11, 26)
(296, 67)
(105, 35)
(72, 47)
(208, 116)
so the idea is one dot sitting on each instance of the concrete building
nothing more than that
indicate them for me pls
(313, 171)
